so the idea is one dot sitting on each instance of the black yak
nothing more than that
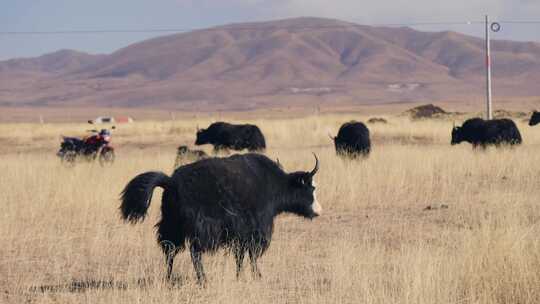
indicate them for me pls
(221, 203)
(225, 136)
(183, 154)
(535, 118)
(481, 132)
(352, 140)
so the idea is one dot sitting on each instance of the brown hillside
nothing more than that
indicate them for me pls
(61, 61)
(293, 61)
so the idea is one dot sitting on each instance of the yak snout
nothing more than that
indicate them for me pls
(316, 206)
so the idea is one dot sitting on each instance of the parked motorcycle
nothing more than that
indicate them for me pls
(97, 145)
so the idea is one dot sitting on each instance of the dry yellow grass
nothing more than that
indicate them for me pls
(62, 240)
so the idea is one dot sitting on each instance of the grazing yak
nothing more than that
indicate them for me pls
(185, 154)
(225, 136)
(535, 118)
(352, 140)
(481, 132)
(221, 203)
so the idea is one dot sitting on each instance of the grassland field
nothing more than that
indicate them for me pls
(62, 240)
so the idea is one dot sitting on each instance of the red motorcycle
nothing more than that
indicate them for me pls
(88, 148)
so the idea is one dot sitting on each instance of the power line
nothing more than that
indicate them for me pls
(521, 22)
(230, 27)
(260, 27)
(427, 23)
(95, 31)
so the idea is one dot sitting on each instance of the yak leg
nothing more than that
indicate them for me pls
(196, 259)
(239, 257)
(221, 149)
(169, 260)
(170, 249)
(170, 244)
(254, 253)
(217, 149)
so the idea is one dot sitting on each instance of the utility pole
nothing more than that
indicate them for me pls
(495, 27)
(488, 72)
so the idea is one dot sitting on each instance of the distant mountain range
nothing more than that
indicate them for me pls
(301, 61)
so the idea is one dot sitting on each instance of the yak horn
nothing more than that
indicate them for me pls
(331, 137)
(314, 171)
(198, 128)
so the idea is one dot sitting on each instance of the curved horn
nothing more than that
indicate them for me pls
(314, 171)
(331, 137)
(278, 163)
(198, 129)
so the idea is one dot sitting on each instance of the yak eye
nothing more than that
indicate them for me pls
(307, 182)
(303, 181)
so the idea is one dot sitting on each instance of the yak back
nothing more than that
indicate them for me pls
(495, 131)
(353, 136)
(236, 136)
(229, 186)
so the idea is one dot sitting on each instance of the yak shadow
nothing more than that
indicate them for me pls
(76, 286)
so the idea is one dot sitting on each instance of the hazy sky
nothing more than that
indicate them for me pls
(59, 15)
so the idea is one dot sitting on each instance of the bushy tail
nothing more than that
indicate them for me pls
(137, 195)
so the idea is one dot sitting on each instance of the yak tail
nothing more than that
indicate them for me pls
(137, 195)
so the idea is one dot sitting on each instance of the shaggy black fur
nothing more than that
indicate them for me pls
(481, 132)
(352, 140)
(535, 118)
(221, 203)
(224, 136)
